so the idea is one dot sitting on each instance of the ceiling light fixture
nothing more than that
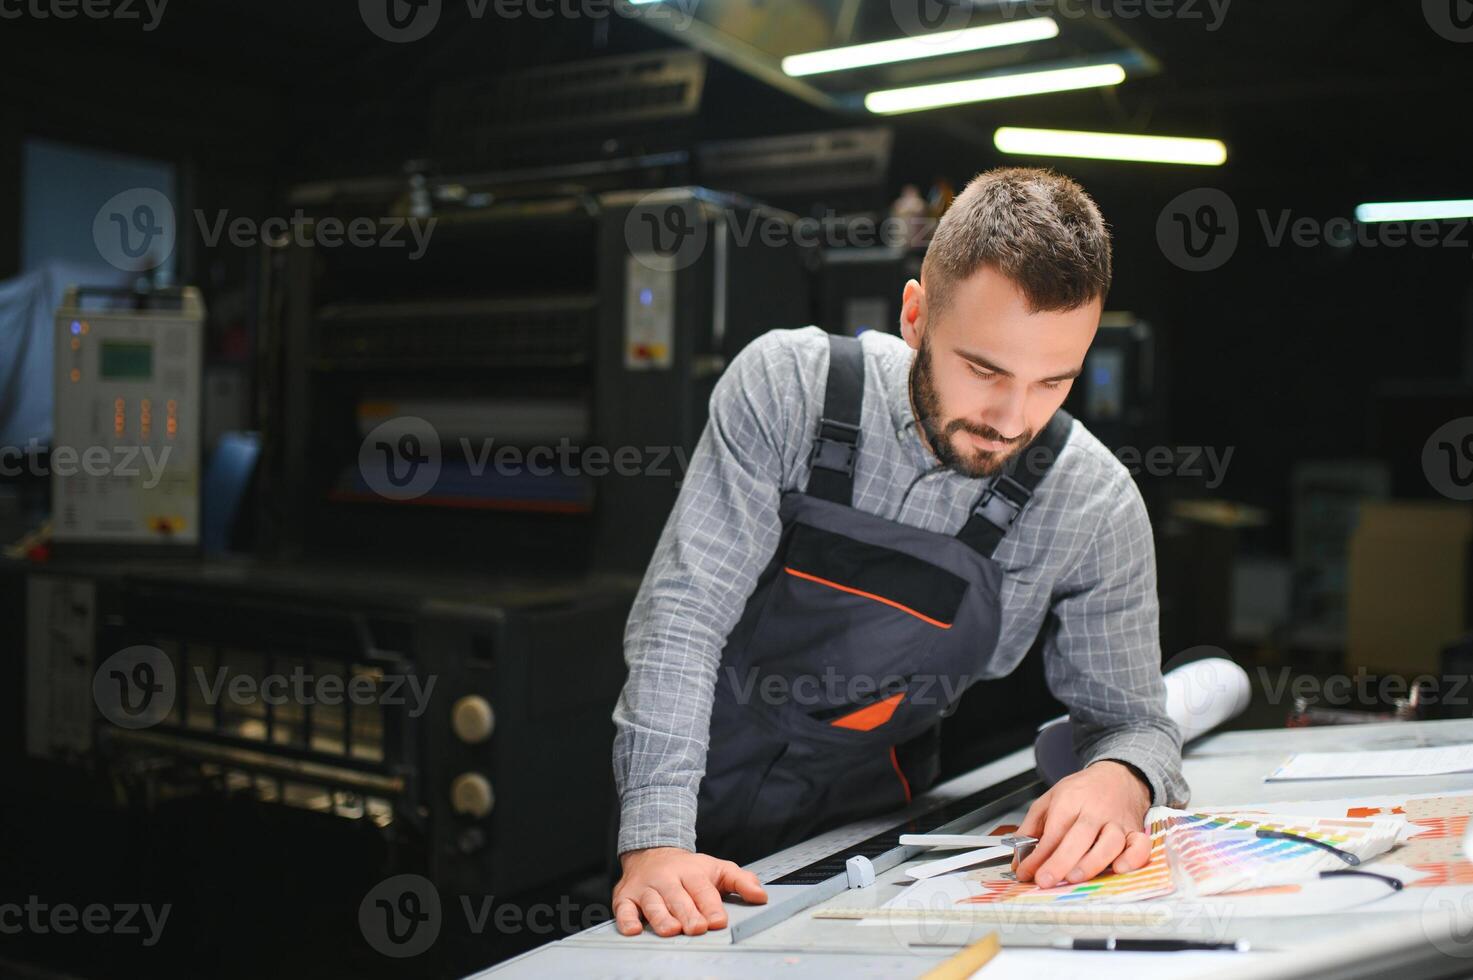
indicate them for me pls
(935, 96)
(1110, 146)
(920, 46)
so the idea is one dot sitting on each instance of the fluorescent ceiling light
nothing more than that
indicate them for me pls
(934, 96)
(1110, 146)
(922, 46)
(1413, 211)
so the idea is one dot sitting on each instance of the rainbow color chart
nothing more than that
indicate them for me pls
(1212, 854)
(1202, 854)
(1152, 881)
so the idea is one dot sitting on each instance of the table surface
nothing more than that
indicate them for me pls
(1223, 770)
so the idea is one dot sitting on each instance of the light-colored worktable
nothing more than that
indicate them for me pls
(1223, 770)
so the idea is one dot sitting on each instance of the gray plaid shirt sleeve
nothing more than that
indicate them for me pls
(1104, 658)
(723, 531)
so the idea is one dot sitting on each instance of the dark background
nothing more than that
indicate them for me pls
(1286, 355)
(1280, 353)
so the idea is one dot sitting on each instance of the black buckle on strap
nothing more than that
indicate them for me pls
(837, 446)
(1000, 504)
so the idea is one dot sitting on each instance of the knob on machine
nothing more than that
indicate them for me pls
(471, 795)
(472, 719)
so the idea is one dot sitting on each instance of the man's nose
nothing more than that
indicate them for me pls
(1008, 417)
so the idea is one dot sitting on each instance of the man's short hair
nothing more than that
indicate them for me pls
(1038, 228)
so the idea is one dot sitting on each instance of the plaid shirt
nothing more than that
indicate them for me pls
(1082, 550)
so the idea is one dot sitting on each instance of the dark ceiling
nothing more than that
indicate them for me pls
(1322, 105)
(1370, 88)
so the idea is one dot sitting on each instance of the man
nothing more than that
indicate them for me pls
(855, 542)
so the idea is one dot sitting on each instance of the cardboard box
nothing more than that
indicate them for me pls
(1408, 584)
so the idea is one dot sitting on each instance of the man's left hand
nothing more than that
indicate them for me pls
(1089, 821)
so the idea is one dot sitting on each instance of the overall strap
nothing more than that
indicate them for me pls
(1004, 499)
(837, 445)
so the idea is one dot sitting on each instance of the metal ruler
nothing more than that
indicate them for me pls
(885, 852)
(1106, 916)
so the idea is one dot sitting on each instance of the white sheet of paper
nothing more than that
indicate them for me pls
(931, 869)
(1431, 761)
(1030, 964)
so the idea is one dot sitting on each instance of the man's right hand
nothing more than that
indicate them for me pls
(678, 891)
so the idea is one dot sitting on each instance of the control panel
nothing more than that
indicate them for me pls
(125, 453)
(649, 314)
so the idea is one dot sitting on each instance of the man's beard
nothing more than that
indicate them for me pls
(973, 462)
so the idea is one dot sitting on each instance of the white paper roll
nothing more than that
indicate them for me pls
(1199, 696)
(1205, 693)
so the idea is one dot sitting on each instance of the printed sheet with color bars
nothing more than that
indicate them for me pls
(1206, 854)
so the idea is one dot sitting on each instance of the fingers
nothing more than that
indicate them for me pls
(679, 902)
(1107, 847)
(1056, 823)
(1032, 824)
(731, 879)
(1137, 852)
(707, 900)
(626, 917)
(1076, 842)
(678, 892)
(659, 917)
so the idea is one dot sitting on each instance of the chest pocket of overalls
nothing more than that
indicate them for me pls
(849, 631)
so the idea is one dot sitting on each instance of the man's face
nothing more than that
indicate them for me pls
(988, 373)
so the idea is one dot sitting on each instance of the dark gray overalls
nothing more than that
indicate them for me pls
(859, 635)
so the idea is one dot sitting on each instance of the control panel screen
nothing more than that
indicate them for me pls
(125, 360)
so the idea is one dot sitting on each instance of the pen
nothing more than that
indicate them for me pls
(1112, 944)
(1106, 944)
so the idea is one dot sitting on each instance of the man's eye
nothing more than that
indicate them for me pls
(1051, 385)
(984, 375)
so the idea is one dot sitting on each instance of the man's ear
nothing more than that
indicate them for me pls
(913, 314)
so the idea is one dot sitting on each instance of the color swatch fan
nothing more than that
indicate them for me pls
(1192, 855)
(1214, 853)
